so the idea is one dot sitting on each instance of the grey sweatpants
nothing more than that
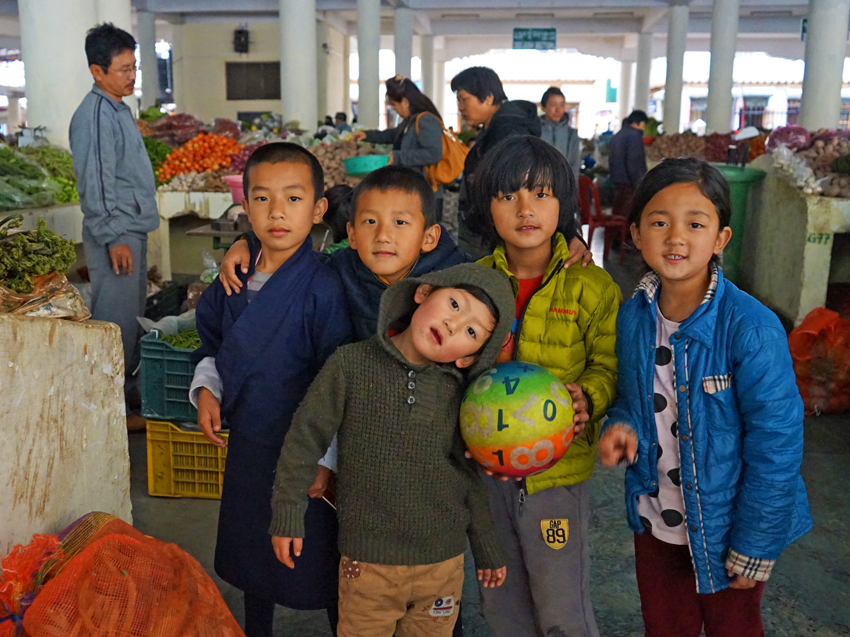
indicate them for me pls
(547, 589)
(120, 298)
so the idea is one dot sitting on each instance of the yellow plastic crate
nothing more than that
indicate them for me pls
(182, 464)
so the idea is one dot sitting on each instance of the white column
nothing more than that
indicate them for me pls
(403, 40)
(118, 12)
(724, 40)
(826, 43)
(644, 66)
(439, 97)
(298, 85)
(625, 90)
(426, 46)
(14, 117)
(146, 22)
(53, 34)
(322, 55)
(346, 75)
(368, 46)
(677, 41)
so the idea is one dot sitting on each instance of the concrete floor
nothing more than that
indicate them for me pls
(808, 594)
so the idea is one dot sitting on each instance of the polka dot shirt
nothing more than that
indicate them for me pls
(662, 512)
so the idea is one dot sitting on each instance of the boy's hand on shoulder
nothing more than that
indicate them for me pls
(617, 444)
(209, 417)
(323, 479)
(286, 547)
(491, 578)
(580, 408)
(578, 252)
(239, 254)
(740, 582)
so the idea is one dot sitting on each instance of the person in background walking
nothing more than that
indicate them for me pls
(117, 193)
(627, 161)
(556, 129)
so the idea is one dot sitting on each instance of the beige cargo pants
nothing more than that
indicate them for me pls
(402, 601)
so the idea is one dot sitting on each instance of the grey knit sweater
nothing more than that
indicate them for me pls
(406, 494)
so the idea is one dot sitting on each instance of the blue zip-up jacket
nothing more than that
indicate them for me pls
(114, 173)
(740, 426)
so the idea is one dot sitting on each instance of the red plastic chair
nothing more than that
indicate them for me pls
(591, 214)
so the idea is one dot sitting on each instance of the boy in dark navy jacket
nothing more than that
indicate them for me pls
(261, 350)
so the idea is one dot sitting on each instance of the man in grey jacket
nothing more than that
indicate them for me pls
(116, 185)
(555, 128)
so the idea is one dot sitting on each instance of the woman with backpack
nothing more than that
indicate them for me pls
(418, 140)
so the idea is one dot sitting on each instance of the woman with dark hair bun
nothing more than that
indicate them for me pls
(418, 141)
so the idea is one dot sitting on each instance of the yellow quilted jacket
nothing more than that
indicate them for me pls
(570, 327)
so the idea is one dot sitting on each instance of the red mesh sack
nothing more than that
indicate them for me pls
(123, 584)
(820, 348)
(18, 573)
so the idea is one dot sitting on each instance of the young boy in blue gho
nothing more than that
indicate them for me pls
(261, 350)
(708, 416)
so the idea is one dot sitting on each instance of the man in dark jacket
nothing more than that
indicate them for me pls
(483, 104)
(627, 161)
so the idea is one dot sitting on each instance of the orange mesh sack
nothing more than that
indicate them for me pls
(126, 585)
(820, 348)
(18, 573)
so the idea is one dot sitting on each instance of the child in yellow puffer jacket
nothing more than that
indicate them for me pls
(524, 194)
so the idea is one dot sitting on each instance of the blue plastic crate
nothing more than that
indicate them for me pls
(167, 374)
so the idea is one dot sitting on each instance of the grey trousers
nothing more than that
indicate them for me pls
(547, 589)
(120, 298)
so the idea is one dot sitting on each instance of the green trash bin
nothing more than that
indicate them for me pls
(740, 181)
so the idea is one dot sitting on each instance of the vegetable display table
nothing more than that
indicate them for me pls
(208, 205)
(787, 245)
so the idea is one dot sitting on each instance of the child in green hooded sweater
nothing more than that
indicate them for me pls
(408, 498)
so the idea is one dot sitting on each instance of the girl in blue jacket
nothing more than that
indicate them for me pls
(708, 418)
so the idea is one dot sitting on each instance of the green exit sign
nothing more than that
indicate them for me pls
(538, 39)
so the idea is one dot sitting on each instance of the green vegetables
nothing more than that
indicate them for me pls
(157, 152)
(151, 114)
(13, 164)
(54, 160)
(25, 255)
(651, 129)
(68, 193)
(185, 339)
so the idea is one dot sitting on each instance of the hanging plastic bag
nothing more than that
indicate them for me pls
(820, 348)
(211, 268)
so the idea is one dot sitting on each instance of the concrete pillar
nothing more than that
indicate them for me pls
(322, 54)
(298, 83)
(118, 12)
(346, 75)
(724, 39)
(625, 90)
(14, 117)
(426, 46)
(177, 63)
(439, 97)
(826, 42)
(146, 22)
(368, 46)
(677, 41)
(643, 67)
(403, 40)
(53, 34)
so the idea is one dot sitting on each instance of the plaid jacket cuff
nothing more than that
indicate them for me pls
(750, 567)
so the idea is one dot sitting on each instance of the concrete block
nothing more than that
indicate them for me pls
(64, 437)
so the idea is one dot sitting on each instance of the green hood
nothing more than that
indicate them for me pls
(397, 303)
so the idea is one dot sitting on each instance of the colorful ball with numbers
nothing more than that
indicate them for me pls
(517, 419)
